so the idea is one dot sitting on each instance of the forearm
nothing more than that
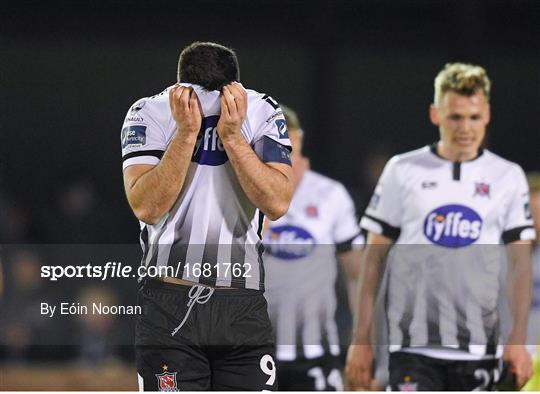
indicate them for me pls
(154, 193)
(350, 262)
(371, 275)
(519, 281)
(267, 188)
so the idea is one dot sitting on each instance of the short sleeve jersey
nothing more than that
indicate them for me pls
(447, 220)
(301, 266)
(212, 233)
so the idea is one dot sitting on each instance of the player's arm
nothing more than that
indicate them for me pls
(519, 283)
(350, 263)
(152, 190)
(359, 369)
(269, 186)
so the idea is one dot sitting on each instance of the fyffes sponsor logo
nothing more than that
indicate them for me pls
(289, 242)
(209, 150)
(453, 226)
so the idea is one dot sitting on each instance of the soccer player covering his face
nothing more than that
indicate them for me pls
(204, 161)
(303, 249)
(445, 208)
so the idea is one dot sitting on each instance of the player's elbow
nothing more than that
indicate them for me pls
(277, 210)
(146, 215)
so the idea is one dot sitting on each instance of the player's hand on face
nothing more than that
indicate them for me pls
(359, 368)
(185, 109)
(233, 111)
(521, 363)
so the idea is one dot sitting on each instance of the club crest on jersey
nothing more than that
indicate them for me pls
(167, 381)
(289, 242)
(481, 189)
(209, 150)
(133, 136)
(282, 128)
(453, 226)
(312, 211)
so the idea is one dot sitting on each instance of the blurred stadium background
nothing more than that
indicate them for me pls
(359, 73)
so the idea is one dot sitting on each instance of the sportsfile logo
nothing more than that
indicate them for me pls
(453, 226)
(289, 242)
(209, 150)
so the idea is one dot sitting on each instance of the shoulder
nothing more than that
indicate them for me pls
(501, 166)
(154, 108)
(403, 162)
(411, 157)
(325, 185)
(262, 105)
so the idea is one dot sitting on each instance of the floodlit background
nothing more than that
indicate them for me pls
(359, 73)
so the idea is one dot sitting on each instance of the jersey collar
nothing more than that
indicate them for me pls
(433, 149)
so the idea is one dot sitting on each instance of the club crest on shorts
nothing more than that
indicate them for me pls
(167, 381)
(407, 385)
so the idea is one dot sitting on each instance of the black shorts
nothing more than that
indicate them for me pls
(414, 372)
(225, 342)
(318, 374)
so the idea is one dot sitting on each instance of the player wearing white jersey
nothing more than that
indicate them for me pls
(447, 207)
(319, 228)
(204, 161)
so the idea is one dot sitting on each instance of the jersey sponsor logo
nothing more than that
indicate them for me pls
(527, 211)
(429, 185)
(289, 242)
(374, 202)
(209, 150)
(453, 226)
(134, 119)
(282, 128)
(133, 136)
(279, 112)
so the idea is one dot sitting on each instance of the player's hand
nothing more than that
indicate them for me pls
(520, 361)
(185, 109)
(359, 368)
(233, 111)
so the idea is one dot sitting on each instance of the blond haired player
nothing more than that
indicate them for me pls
(441, 211)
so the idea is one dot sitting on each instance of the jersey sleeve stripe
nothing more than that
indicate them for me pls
(151, 160)
(154, 153)
(523, 233)
(379, 226)
(142, 157)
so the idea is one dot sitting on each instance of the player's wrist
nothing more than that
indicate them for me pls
(185, 135)
(360, 338)
(232, 140)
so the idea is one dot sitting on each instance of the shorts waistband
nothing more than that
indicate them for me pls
(231, 291)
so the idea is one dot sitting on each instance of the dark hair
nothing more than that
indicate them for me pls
(209, 65)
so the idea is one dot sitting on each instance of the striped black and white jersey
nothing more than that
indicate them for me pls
(301, 267)
(450, 222)
(212, 234)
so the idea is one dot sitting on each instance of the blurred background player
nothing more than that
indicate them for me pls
(204, 161)
(301, 269)
(533, 332)
(442, 290)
